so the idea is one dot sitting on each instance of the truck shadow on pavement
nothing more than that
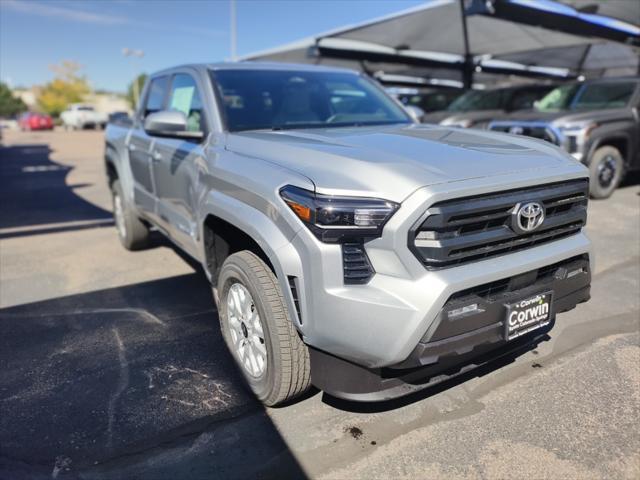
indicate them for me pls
(35, 193)
(93, 384)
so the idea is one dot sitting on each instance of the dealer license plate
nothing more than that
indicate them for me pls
(527, 315)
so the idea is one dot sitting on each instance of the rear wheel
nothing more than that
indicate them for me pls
(133, 234)
(257, 329)
(606, 170)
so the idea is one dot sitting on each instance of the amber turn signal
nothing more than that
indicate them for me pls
(303, 212)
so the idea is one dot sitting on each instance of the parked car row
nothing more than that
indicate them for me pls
(596, 121)
(76, 117)
(476, 108)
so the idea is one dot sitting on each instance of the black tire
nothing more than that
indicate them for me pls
(288, 372)
(133, 233)
(606, 169)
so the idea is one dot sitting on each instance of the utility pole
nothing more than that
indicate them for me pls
(129, 52)
(232, 30)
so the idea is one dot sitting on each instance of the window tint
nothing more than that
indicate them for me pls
(185, 97)
(155, 98)
(524, 99)
(254, 99)
(604, 95)
(435, 101)
(558, 99)
(589, 96)
(478, 100)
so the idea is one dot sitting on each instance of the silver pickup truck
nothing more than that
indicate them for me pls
(346, 245)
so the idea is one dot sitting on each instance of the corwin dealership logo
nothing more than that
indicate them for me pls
(536, 310)
(526, 217)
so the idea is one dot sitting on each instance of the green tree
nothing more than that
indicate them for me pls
(68, 87)
(131, 90)
(10, 106)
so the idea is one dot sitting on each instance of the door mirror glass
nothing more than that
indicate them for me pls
(170, 123)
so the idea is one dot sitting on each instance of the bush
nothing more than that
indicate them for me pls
(10, 106)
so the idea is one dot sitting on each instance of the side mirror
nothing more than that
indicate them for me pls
(416, 113)
(170, 123)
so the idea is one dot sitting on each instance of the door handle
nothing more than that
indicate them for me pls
(156, 157)
(131, 147)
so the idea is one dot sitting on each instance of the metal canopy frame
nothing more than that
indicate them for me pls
(554, 15)
(373, 42)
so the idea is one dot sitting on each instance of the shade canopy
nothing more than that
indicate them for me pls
(449, 39)
(615, 20)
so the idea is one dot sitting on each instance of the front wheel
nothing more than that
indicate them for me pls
(133, 234)
(257, 329)
(606, 170)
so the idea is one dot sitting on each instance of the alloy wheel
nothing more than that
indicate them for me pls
(247, 334)
(607, 171)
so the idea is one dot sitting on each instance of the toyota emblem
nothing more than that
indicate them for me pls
(527, 217)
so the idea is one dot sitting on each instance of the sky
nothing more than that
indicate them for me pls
(35, 34)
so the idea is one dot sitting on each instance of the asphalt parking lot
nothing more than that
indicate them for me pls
(112, 365)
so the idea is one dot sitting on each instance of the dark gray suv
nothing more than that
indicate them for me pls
(596, 121)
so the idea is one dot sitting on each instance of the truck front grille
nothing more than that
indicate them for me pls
(454, 232)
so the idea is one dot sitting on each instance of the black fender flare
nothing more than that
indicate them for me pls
(604, 139)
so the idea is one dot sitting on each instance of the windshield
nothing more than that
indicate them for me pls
(593, 96)
(478, 100)
(274, 99)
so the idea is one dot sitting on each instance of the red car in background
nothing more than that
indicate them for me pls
(35, 121)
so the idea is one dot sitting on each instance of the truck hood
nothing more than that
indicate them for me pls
(391, 162)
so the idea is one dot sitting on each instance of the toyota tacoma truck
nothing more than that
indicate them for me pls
(347, 246)
(597, 122)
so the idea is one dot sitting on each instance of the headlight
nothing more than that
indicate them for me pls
(577, 129)
(575, 137)
(335, 219)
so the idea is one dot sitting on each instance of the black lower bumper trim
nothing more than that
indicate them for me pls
(343, 379)
(437, 359)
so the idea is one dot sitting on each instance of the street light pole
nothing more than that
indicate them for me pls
(129, 52)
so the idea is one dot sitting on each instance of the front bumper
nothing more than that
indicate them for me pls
(460, 344)
(380, 323)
